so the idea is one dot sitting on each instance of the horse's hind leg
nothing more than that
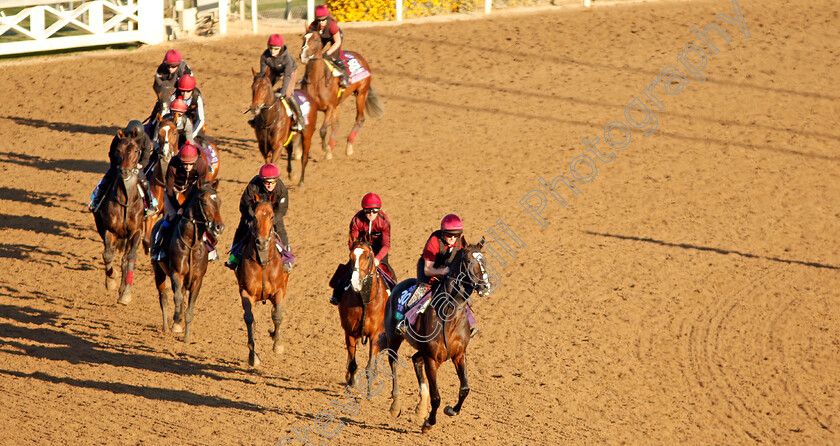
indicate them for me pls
(460, 362)
(421, 410)
(108, 259)
(163, 295)
(130, 261)
(360, 119)
(323, 132)
(396, 408)
(247, 307)
(178, 292)
(277, 333)
(351, 342)
(431, 374)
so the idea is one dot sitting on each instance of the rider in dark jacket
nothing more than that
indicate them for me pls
(278, 62)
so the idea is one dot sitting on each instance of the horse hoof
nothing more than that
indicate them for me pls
(395, 409)
(328, 156)
(254, 360)
(110, 284)
(450, 411)
(349, 149)
(177, 328)
(125, 298)
(279, 349)
(426, 426)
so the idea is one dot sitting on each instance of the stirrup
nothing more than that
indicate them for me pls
(402, 327)
(151, 211)
(474, 331)
(287, 268)
(230, 265)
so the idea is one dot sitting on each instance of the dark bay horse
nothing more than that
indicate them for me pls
(442, 331)
(324, 89)
(168, 139)
(261, 277)
(119, 218)
(273, 126)
(186, 257)
(362, 307)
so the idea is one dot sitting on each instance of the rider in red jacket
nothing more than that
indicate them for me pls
(326, 26)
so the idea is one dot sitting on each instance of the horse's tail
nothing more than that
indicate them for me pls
(374, 105)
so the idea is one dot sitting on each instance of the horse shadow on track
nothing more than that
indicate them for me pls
(715, 250)
(65, 165)
(64, 126)
(40, 225)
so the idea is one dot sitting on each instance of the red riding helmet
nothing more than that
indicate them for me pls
(371, 201)
(321, 11)
(275, 40)
(452, 224)
(269, 172)
(186, 82)
(188, 153)
(178, 105)
(173, 57)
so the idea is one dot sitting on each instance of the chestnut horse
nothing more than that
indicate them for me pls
(273, 126)
(186, 256)
(261, 277)
(168, 139)
(119, 218)
(442, 331)
(324, 89)
(362, 306)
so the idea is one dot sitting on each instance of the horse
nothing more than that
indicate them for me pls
(442, 331)
(119, 218)
(168, 140)
(273, 126)
(186, 256)
(324, 89)
(362, 306)
(261, 277)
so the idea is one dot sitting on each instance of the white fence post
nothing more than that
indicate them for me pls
(310, 11)
(150, 21)
(223, 13)
(587, 3)
(254, 15)
(487, 5)
(399, 10)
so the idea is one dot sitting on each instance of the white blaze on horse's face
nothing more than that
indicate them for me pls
(304, 56)
(483, 282)
(355, 280)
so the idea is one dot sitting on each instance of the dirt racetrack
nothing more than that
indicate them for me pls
(688, 294)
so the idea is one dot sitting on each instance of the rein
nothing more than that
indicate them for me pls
(255, 253)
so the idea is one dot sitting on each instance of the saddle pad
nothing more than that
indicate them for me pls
(210, 153)
(355, 68)
(304, 104)
(389, 281)
(287, 256)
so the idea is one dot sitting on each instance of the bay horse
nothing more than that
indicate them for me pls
(186, 256)
(261, 277)
(119, 218)
(273, 126)
(168, 145)
(324, 89)
(442, 331)
(362, 306)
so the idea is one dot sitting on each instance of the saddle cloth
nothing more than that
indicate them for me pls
(355, 69)
(303, 103)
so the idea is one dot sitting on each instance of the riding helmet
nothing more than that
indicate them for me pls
(275, 40)
(172, 58)
(452, 224)
(269, 172)
(134, 125)
(186, 82)
(188, 153)
(178, 105)
(321, 11)
(371, 201)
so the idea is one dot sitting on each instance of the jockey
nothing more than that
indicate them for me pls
(191, 96)
(277, 60)
(186, 173)
(375, 223)
(146, 151)
(433, 264)
(261, 188)
(177, 111)
(170, 70)
(326, 26)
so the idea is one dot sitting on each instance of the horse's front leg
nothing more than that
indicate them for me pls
(394, 346)
(325, 143)
(247, 307)
(108, 258)
(277, 334)
(163, 295)
(431, 374)
(460, 362)
(195, 287)
(422, 406)
(130, 262)
(177, 281)
(351, 342)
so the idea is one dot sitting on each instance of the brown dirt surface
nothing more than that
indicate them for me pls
(687, 295)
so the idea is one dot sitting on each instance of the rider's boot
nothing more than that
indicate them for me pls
(300, 121)
(344, 79)
(158, 253)
(232, 262)
(287, 266)
(150, 201)
(94, 197)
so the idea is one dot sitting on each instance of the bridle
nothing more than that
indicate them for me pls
(366, 274)
(304, 48)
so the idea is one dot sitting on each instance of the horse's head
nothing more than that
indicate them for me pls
(261, 93)
(167, 137)
(128, 150)
(469, 268)
(164, 94)
(362, 259)
(311, 48)
(262, 229)
(209, 211)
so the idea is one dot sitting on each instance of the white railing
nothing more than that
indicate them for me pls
(41, 25)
